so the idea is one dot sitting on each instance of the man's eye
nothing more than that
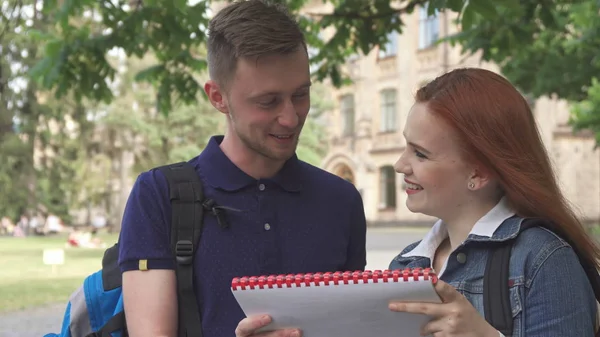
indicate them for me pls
(301, 95)
(270, 102)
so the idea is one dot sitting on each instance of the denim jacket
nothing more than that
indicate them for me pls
(550, 294)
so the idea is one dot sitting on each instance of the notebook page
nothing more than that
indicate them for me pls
(345, 310)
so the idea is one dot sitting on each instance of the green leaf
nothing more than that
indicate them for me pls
(54, 47)
(547, 17)
(40, 36)
(150, 73)
(41, 68)
(509, 4)
(198, 65)
(434, 6)
(455, 5)
(467, 18)
(486, 8)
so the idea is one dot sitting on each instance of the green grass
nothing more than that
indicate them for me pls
(26, 282)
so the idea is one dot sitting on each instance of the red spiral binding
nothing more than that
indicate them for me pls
(335, 278)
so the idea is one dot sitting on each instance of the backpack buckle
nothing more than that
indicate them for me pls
(184, 250)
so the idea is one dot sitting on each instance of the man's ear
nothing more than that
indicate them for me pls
(216, 96)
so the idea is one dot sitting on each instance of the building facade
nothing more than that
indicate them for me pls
(369, 115)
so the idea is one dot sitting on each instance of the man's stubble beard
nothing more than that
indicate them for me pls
(256, 146)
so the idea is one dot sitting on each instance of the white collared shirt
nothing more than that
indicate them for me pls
(486, 226)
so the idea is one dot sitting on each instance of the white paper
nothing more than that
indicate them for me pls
(345, 310)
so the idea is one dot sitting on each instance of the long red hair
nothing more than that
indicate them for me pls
(498, 130)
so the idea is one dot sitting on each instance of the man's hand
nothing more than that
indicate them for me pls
(248, 326)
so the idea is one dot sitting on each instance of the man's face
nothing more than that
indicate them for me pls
(267, 102)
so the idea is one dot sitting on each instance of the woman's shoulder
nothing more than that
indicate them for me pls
(535, 246)
(400, 261)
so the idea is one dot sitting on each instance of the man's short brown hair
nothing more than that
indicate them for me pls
(249, 29)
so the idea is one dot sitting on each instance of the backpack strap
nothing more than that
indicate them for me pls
(114, 324)
(496, 299)
(111, 274)
(186, 195)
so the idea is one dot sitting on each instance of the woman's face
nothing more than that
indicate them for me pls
(435, 172)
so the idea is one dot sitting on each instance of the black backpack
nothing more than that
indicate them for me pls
(496, 300)
(85, 317)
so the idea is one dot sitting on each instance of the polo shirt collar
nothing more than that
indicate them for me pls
(483, 228)
(220, 172)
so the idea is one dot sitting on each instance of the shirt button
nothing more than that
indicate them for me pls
(267, 226)
(261, 187)
(461, 258)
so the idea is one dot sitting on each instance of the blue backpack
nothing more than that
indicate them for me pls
(96, 308)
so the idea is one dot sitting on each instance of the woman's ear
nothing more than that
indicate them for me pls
(479, 178)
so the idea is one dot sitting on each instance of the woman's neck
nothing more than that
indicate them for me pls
(466, 216)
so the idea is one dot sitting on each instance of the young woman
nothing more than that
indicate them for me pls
(474, 160)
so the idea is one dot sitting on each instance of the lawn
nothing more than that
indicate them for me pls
(26, 282)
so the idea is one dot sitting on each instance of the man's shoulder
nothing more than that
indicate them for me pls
(154, 179)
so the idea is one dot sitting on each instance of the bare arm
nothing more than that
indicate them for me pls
(150, 301)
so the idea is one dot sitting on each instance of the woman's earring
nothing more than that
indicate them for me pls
(471, 185)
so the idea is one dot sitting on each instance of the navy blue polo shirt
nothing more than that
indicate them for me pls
(303, 220)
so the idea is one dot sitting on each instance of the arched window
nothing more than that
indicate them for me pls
(346, 173)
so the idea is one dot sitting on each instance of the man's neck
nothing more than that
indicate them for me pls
(250, 162)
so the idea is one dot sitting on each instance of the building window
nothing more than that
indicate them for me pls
(429, 28)
(347, 110)
(388, 110)
(387, 187)
(391, 47)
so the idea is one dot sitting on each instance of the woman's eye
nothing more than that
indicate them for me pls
(420, 155)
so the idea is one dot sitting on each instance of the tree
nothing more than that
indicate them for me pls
(13, 149)
(71, 152)
(26, 123)
(545, 48)
(173, 30)
(313, 145)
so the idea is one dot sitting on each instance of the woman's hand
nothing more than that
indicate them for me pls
(454, 317)
(248, 326)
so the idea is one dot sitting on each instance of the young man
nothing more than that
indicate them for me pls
(291, 217)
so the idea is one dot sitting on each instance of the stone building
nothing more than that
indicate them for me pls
(369, 115)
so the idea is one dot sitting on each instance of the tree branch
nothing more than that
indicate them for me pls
(8, 19)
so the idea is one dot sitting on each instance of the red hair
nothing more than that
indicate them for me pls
(498, 130)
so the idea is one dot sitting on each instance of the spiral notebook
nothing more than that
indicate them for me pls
(339, 304)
